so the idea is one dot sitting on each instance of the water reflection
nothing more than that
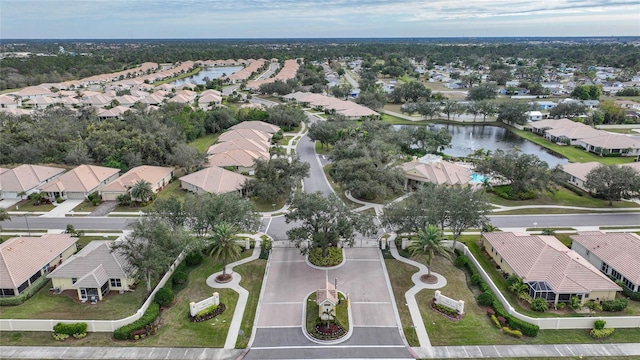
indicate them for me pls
(468, 138)
(211, 73)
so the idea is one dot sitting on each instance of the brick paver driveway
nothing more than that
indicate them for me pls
(290, 280)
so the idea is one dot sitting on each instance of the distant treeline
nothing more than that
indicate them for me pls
(120, 54)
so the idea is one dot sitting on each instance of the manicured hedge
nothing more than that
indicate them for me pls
(527, 329)
(333, 258)
(614, 305)
(149, 316)
(31, 290)
(164, 296)
(70, 329)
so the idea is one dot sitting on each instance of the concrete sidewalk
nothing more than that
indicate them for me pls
(86, 353)
(62, 209)
(234, 284)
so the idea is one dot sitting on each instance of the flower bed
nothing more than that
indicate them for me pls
(332, 331)
(209, 313)
(449, 313)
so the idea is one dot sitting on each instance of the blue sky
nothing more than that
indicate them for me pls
(33, 19)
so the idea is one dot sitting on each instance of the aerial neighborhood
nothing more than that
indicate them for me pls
(302, 199)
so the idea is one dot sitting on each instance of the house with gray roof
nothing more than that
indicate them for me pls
(615, 254)
(94, 272)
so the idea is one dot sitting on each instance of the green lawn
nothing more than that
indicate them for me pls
(499, 280)
(85, 206)
(202, 143)
(27, 205)
(173, 189)
(563, 197)
(551, 211)
(85, 239)
(475, 328)
(252, 274)
(267, 206)
(400, 278)
(326, 150)
(45, 305)
(177, 330)
(573, 154)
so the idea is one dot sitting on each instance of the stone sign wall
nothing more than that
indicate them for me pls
(457, 305)
(195, 308)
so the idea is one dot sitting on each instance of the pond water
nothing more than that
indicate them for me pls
(211, 73)
(468, 138)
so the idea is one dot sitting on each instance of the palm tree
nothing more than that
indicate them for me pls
(430, 242)
(22, 194)
(328, 315)
(142, 191)
(518, 286)
(4, 215)
(223, 245)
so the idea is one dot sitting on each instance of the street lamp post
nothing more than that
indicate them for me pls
(535, 226)
(27, 221)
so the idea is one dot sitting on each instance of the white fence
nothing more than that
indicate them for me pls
(92, 325)
(555, 322)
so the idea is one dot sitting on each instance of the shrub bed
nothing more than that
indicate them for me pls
(601, 333)
(164, 296)
(149, 316)
(614, 305)
(31, 290)
(514, 323)
(333, 258)
(208, 313)
(70, 329)
(445, 311)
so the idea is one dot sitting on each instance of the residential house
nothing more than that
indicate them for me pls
(434, 170)
(607, 143)
(9, 102)
(256, 125)
(157, 176)
(550, 269)
(93, 272)
(615, 254)
(213, 180)
(23, 260)
(208, 101)
(545, 105)
(32, 92)
(79, 182)
(250, 134)
(238, 144)
(25, 179)
(533, 115)
(239, 160)
(578, 172)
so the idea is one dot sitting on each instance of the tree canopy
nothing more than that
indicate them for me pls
(151, 247)
(613, 182)
(325, 221)
(524, 172)
(275, 178)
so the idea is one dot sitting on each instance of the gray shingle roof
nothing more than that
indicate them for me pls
(97, 252)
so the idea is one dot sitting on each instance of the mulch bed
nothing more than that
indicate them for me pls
(458, 317)
(428, 279)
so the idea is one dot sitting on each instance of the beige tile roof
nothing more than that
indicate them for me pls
(576, 131)
(84, 178)
(329, 293)
(551, 124)
(343, 107)
(236, 144)
(243, 74)
(580, 170)
(215, 180)
(93, 279)
(437, 172)
(245, 134)
(620, 250)
(612, 141)
(240, 157)
(152, 174)
(33, 91)
(27, 177)
(257, 125)
(545, 258)
(22, 257)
